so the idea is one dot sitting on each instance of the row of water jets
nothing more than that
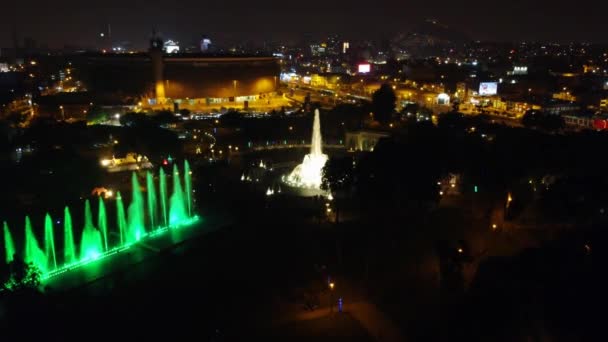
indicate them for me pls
(131, 227)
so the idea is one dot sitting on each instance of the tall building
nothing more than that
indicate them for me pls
(156, 55)
(205, 44)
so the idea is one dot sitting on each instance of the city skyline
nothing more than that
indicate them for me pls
(77, 24)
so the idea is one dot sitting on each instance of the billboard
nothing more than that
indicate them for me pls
(488, 88)
(364, 68)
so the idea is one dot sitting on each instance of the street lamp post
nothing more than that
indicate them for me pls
(62, 113)
(331, 297)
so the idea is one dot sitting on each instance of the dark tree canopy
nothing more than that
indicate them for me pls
(338, 175)
(383, 103)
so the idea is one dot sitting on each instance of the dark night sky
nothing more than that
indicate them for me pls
(78, 22)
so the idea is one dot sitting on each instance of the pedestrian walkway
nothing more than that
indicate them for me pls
(375, 322)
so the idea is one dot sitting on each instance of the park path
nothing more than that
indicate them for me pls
(375, 322)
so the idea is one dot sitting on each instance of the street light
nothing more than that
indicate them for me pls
(234, 83)
(331, 297)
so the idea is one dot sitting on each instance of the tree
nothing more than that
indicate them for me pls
(338, 175)
(21, 276)
(165, 117)
(338, 178)
(383, 103)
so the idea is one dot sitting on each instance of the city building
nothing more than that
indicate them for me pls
(160, 78)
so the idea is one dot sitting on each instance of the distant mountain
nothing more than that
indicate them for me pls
(428, 38)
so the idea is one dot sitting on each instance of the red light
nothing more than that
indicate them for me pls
(165, 162)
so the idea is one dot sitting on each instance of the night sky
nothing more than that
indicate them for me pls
(77, 22)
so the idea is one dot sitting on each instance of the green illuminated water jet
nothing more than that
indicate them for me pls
(177, 211)
(69, 247)
(90, 244)
(133, 225)
(102, 223)
(188, 187)
(9, 245)
(49, 243)
(163, 195)
(121, 219)
(135, 212)
(151, 190)
(33, 253)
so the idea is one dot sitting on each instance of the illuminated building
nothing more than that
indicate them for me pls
(345, 47)
(171, 46)
(177, 78)
(205, 44)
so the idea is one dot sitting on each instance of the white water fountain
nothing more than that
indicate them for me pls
(308, 174)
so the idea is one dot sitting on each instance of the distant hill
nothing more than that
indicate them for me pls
(428, 38)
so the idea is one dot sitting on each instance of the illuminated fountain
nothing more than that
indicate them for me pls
(139, 222)
(308, 174)
(9, 245)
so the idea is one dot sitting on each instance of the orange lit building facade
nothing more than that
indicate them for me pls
(158, 78)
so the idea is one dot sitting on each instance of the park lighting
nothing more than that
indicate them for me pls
(460, 250)
(494, 226)
(331, 286)
(109, 194)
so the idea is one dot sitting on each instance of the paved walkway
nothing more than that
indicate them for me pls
(377, 324)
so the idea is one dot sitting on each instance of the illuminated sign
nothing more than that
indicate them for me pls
(488, 88)
(364, 68)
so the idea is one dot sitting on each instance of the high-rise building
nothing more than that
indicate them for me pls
(205, 44)
(345, 47)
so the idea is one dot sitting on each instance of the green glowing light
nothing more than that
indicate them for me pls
(163, 195)
(33, 253)
(151, 191)
(49, 243)
(95, 243)
(121, 219)
(188, 187)
(69, 247)
(135, 217)
(9, 245)
(177, 211)
(90, 244)
(102, 223)
(118, 249)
